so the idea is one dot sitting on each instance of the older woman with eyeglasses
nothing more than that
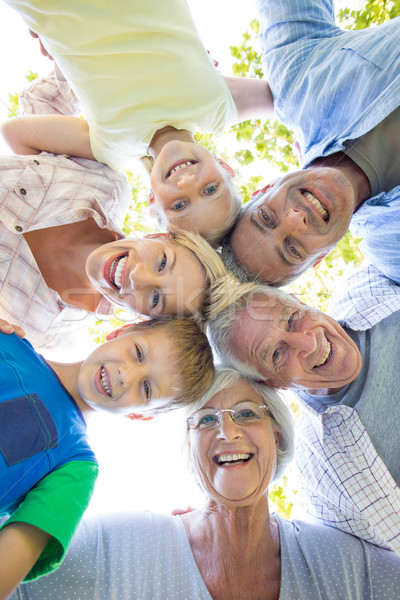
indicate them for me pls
(240, 437)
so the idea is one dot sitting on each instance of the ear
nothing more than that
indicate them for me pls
(155, 236)
(277, 438)
(261, 191)
(114, 334)
(225, 165)
(152, 200)
(319, 259)
(138, 417)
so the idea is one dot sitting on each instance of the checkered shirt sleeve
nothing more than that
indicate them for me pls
(363, 298)
(346, 484)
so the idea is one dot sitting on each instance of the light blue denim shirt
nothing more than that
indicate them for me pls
(378, 222)
(331, 85)
(328, 85)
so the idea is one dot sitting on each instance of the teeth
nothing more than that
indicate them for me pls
(104, 382)
(188, 163)
(318, 205)
(119, 263)
(232, 458)
(326, 355)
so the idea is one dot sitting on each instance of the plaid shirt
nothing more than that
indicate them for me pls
(346, 484)
(43, 191)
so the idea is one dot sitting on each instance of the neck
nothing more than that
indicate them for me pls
(356, 176)
(165, 135)
(237, 550)
(68, 375)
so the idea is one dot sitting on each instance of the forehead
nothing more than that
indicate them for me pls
(161, 366)
(241, 391)
(256, 323)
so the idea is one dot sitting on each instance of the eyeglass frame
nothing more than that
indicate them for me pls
(230, 410)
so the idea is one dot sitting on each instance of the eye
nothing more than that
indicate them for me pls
(246, 414)
(156, 299)
(210, 190)
(179, 205)
(266, 218)
(163, 263)
(139, 353)
(294, 320)
(275, 355)
(207, 421)
(293, 251)
(146, 390)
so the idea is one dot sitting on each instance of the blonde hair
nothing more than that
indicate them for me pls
(216, 236)
(191, 357)
(217, 278)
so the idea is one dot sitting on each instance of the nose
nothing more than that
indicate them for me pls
(186, 181)
(139, 276)
(304, 342)
(295, 220)
(228, 429)
(127, 374)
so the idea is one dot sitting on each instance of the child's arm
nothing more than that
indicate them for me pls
(21, 545)
(252, 97)
(58, 134)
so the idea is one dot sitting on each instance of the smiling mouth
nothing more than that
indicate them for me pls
(116, 270)
(321, 208)
(233, 459)
(326, 356)
(105, 382)
(181, 165)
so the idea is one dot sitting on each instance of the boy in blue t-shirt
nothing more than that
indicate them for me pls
(47, 468)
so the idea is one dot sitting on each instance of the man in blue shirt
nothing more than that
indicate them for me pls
(340, 92)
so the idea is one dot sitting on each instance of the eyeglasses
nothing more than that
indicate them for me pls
(245, 413)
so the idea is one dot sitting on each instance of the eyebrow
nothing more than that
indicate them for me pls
(277, 248)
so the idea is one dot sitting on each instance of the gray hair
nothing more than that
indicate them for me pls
(231, 262)
(227, 313)
(282, 418)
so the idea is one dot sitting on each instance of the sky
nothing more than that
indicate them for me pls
(141, 464)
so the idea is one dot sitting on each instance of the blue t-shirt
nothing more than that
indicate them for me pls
(41, 427)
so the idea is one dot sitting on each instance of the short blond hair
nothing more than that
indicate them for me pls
(192, 357)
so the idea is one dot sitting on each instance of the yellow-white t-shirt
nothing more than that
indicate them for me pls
(136, 66)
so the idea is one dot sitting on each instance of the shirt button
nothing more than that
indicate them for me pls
(22, 191)
(18, 228)
(36, 161)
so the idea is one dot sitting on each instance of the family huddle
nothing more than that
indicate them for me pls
(210, 330)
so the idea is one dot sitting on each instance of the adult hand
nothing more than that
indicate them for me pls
(7, 328)
(42, 48)
(182, 511)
